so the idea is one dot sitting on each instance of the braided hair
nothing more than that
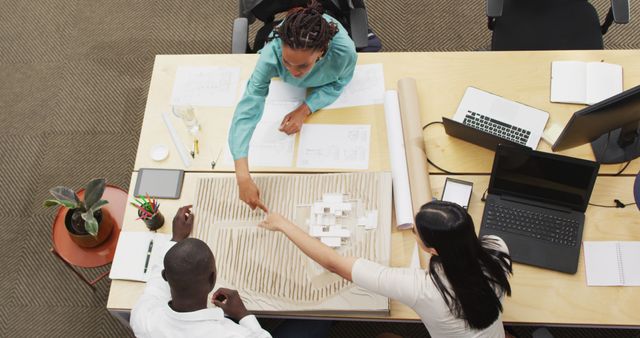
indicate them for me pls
(305, 28)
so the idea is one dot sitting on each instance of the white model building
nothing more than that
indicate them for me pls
(328, 219)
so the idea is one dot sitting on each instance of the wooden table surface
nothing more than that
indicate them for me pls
(441, 80)
(539, 295)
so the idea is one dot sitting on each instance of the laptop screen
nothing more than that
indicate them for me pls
(544, 177)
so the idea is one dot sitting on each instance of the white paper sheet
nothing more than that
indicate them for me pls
(630, 253)
(269, 147)
(131, 254)
(397, 155)
(334, 146)
(205, 86)
(366, 88)
(604, 80)
(280, 91)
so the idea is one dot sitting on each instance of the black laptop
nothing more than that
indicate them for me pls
(536, 204)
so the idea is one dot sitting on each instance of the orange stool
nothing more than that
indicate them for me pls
(76, 256)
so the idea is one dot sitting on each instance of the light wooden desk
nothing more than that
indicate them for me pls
(539, 296)
(441, 79)
(215, 122)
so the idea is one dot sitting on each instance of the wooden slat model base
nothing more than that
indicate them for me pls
(270, 272)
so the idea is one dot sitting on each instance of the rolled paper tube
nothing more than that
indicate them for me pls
(415, 149)
(400, 177)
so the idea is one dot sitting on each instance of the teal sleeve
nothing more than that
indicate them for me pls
(322, 96)
(250, 108)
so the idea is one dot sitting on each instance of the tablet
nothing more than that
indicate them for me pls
(159, 183)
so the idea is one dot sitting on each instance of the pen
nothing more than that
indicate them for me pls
(146, 263)
(196, 147)
(215, 161)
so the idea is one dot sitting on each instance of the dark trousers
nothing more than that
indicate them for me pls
(303, 328)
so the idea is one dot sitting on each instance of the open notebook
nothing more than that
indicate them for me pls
(131, 254)
(612, 263)
(584, 82)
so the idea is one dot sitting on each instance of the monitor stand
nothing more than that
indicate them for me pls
(621, 146)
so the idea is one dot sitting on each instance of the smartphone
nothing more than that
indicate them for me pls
(457, 191)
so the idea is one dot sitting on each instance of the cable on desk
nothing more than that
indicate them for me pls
(606, 147)
(618, 204)
(444, 170)
(484, 195)
(431, 162)
(431, 123)
(623, 168)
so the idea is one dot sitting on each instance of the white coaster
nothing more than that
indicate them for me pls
(159, 152)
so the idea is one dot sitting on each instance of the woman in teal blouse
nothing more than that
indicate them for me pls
(308, 50)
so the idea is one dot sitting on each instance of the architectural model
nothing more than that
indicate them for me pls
(333, 221)
(350, 212)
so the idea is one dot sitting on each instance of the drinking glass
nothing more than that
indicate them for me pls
(188, 116)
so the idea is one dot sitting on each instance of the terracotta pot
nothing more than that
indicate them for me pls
(105, 227)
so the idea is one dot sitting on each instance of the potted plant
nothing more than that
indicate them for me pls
(88, 224)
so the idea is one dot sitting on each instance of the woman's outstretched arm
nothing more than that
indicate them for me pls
(316, 250)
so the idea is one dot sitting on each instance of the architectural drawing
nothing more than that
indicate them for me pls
(271, 273)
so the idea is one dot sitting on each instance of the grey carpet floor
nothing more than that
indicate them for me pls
(74, 75)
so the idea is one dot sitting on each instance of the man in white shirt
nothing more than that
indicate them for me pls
(174, 302)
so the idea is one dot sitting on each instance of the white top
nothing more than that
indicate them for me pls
(152, 316)
(414, 288)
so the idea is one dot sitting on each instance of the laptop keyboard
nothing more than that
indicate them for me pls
(497, 128)
(533, 224)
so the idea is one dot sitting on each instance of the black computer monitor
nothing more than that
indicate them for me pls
(612, 127)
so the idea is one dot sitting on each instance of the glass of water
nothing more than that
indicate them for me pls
(188, 116)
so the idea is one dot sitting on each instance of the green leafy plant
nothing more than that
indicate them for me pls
(85, 211)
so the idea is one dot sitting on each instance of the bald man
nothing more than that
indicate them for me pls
(174, 302)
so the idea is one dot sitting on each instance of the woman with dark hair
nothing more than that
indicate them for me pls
(460, 295)
(308, 49)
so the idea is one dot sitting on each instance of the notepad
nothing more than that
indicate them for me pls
(584, 82)
(365, 88)
(131, 255)
(335, 146)
(612, 263)
(205, 86)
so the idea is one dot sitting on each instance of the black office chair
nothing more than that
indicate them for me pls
(352, 14)
(550, 24)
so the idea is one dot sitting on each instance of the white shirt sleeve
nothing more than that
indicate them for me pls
(155, 295)
(496, 243)
(251, 323)
(402, 284)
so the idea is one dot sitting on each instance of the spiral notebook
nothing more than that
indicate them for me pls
(612, 263)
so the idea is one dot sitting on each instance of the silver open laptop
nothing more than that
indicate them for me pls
(504, 118)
